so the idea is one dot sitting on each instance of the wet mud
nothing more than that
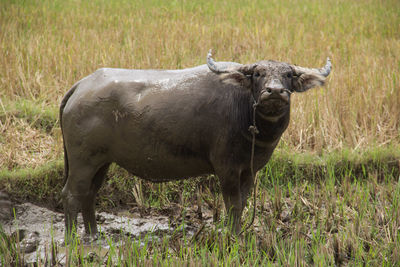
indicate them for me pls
(38, 228)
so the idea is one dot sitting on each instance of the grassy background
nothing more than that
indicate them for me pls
(335, 171)
(46, 46)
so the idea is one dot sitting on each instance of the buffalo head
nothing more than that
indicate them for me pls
(271, 82)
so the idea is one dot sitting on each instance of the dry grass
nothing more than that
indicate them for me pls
(28, 137)
(24, 146)
(46, 46)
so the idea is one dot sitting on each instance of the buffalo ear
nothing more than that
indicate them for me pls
(306, 81)
(241, 76)
(236, 78)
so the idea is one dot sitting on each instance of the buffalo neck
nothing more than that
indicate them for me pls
(270, 131)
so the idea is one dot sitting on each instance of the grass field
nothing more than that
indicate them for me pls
(335, 173)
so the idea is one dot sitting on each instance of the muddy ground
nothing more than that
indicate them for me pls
(37, 227)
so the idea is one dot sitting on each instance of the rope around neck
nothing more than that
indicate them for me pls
(253, 130)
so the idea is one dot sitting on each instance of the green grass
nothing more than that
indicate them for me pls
(44, 183)
(39, 115)
(345, 217)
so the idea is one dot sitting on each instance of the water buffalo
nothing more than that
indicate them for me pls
(164, 125)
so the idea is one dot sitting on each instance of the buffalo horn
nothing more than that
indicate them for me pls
(322, 71)
(212, 65)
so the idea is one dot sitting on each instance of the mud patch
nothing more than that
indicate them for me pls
(37, 228)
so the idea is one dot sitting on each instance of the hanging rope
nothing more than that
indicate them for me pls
(253, 130)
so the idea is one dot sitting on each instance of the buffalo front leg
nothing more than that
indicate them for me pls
(230, 186)
(246, 184)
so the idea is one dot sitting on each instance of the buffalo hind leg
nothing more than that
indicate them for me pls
(88, 204)
(75, 192)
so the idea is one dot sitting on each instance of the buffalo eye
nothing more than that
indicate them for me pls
(289, 75)
(257, 74)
